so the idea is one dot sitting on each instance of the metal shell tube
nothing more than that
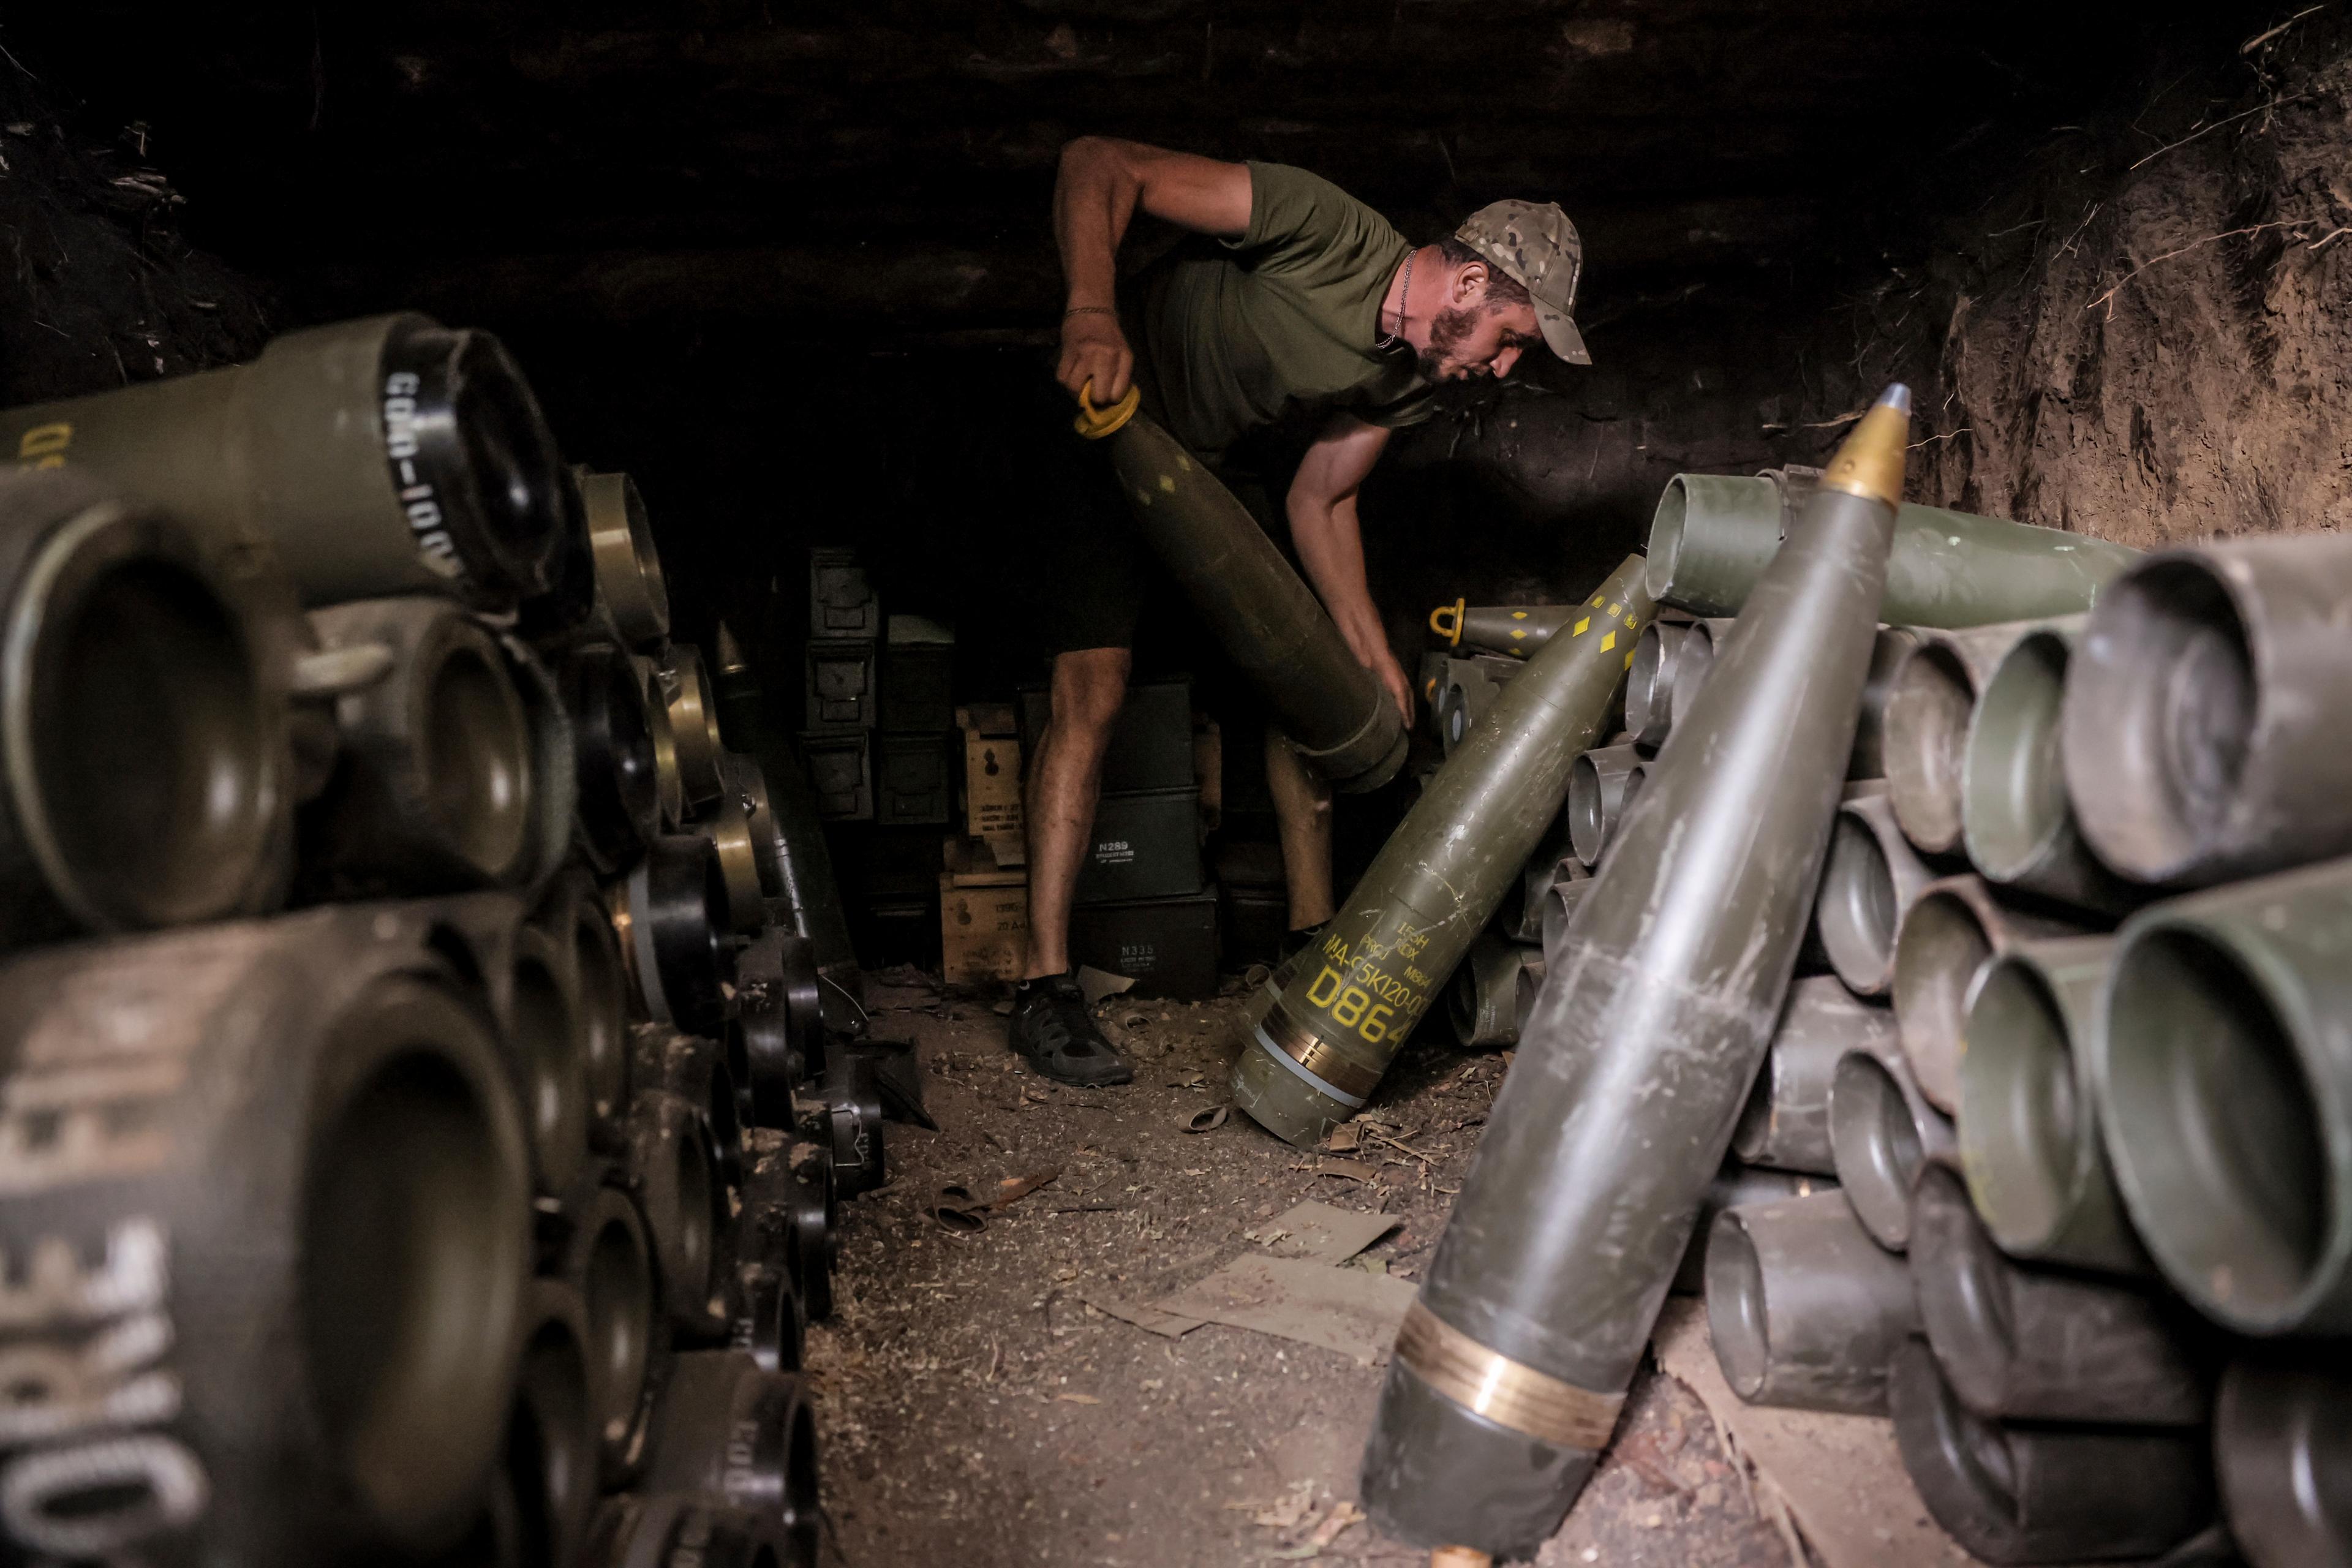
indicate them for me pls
(551, 1437)
(852, 1128)
(1734, 1185)
(630, 588)
(673, 1528)
(1268, 621)
(669, 914)
(1343, 1005)
(2283, 1437)
(1511, 1366)
(732, 1433)
(727, 826)
(1883, 1134)
(1483, 1003)
(1515, 629)
(276, 1166)
(547, 1039)
(390, 455)
(796, 1204)
(2034, 1344)
(696, 1070)
(669, 783)
(779, 1016)
(2225, 1093)
(577, 922)
(764, 1319)
(148, 777)
(1712, 535)
(1887, 656)
(609, 1261)
(1521, 917)
(616, 775)
(1786, 1124)
(748, 782)
(1570, 885)
(2025, 1494)
(673, 1169)
(1951, 929)
(1925, 731)
(685, 687)
(1650, 683)
(1804, 1309)
(554, 765)
(2015, 820)
(2029, 1124)
(1871, 877)
(1696, 662)
(1596, 798)
(435, 790)
(2201, 733)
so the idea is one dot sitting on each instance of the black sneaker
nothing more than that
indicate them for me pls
(1054, 1032)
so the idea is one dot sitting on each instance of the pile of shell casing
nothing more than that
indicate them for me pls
(422, 1136)
(2046, 1148)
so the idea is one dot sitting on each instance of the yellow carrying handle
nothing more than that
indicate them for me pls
(1446, 621)
(1094, 423)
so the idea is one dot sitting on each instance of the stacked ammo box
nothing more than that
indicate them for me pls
(1144, 907)
(843, 686)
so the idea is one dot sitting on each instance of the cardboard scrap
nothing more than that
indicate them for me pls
(1093, 985)
(1324, 1234)
(1172, 1325)
(1345, 1310)
(1840, 1476)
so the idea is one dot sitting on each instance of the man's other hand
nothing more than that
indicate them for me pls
(1392, 676)
(1094, 348)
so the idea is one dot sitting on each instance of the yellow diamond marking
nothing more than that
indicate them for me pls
(1169, 486)
(1581, 626)
(1629, 658)
(1613, 611)
(1608, 642)
(1596, 598)
(1518, 614)
(1630, 623)
(1517, 634)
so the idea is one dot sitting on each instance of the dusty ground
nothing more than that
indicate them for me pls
(976, 1411)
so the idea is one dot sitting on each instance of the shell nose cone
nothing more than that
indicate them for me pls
(1896, 397)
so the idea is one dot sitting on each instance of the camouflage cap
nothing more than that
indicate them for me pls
(1534, 243)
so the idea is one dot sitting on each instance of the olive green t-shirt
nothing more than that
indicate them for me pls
(1230, 335)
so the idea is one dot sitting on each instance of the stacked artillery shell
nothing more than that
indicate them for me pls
(1713, 535)
(2016, 822)
(1596, 798)
(1804, 1309)
(618, 785)
(2202, 724)
(1337, 1011)
(2224, 1093)
(1951, 929)
(1268, 621)
(1510, 1372)
(2282, 1437)
(1786, 1124)
(371, 458)
(1882, 1134)
(1491, 988)
(1889, 655)
(1650, 683)
(1571, 884)
(2035, 1344)
(1871, 877)
(1926, 730)
(2025, 1493)
(631, 594)
(2029, 1120)
(1736, 1187)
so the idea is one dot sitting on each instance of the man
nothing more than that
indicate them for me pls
(1293, 299)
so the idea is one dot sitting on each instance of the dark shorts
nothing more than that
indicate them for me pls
(1093, 572)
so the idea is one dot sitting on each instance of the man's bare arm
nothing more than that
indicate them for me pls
(1330, 540)
(1102, 185)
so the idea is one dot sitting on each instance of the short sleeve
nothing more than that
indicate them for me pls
(1304, 227)
(1414, 408)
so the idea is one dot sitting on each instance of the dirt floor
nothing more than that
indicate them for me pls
(976, 1410)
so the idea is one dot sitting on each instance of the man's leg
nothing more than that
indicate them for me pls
(1052, 1027)
(1302, 815)
(1089, 685)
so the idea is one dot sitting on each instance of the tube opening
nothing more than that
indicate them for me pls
(154, 763)
(1737, 1316)
(1587, 824)
(600, 990)
(801, 1521)
(549, 1043)
(2218, 1124)
(698, 1196)
(619, 1299)
(1857, 910)
(1665, 548)
(1925, 745)
(478, 761)
(2014, 803)
(1963, 1286)
(1647, 680)
(1936, 953)
(2020, 1114)
(548, 1459)
(1875, 1143)
(410, 1260)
